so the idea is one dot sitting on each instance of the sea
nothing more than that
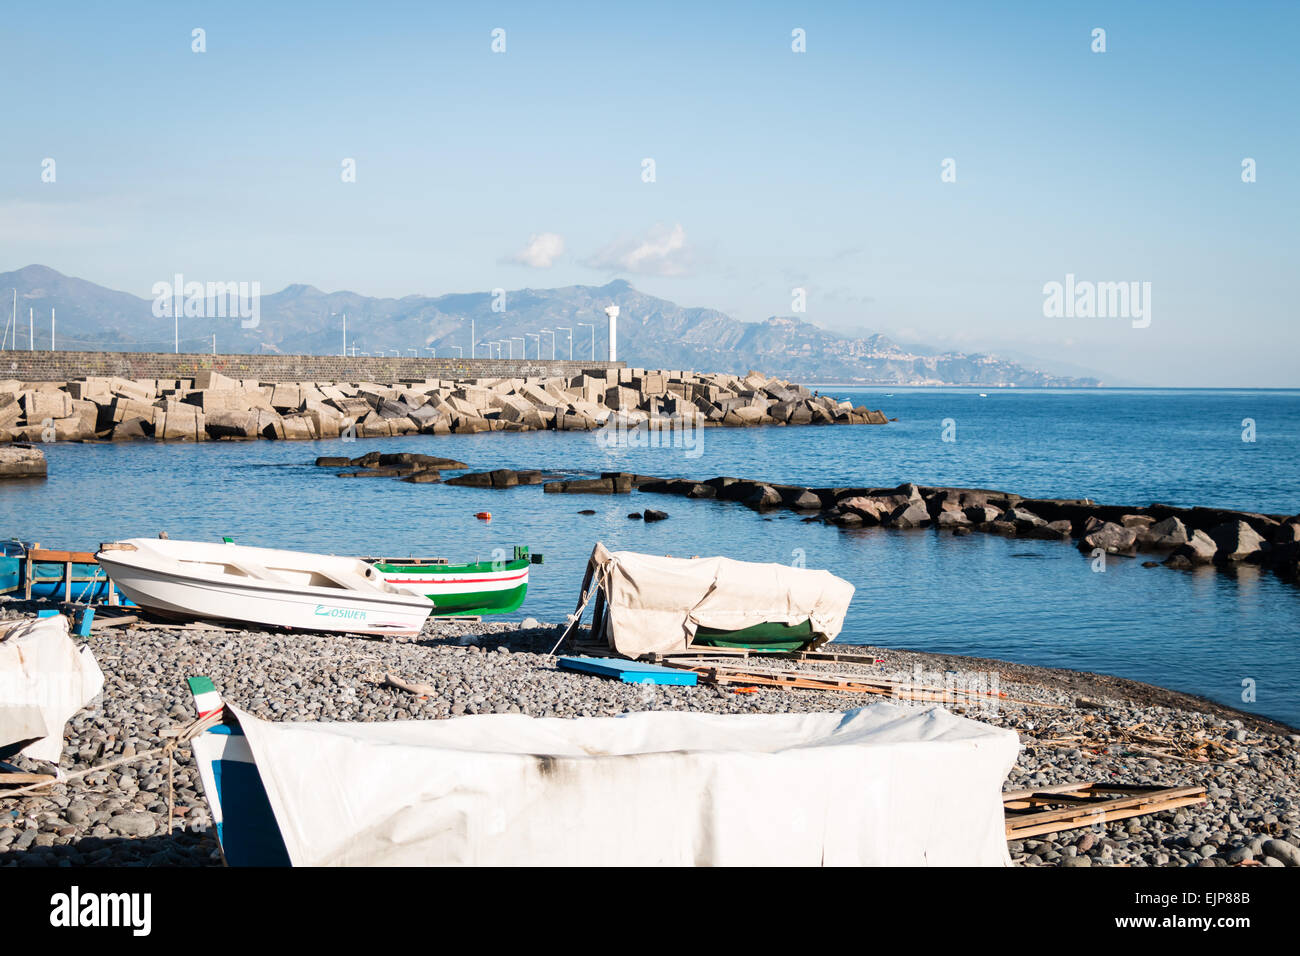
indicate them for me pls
(1231, 637)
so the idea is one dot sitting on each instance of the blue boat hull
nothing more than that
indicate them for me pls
(241, 811)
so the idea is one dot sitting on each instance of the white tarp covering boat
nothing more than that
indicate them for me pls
(885, 785)
(295, 589)
(651, 604)
(45, 678)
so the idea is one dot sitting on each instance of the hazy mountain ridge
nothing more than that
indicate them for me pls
(652, 332)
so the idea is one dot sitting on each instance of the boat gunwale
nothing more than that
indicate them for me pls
(477, 567)
(414, 601)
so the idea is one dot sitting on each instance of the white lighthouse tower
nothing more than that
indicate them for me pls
(612, 312)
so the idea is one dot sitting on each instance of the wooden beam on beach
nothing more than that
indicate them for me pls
(864, 684)
(120, 620)
(11, 776)
(1085, 804)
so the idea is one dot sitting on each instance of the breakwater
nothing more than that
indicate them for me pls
(1183, 537)
(209, 405)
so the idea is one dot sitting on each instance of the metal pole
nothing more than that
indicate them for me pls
(31, 330)
(471, 338)
(214, 343)
(51, 330)
(345, 335)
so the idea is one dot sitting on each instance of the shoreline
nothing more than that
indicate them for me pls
(119, 816)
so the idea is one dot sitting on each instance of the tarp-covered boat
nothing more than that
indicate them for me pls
(45, 678)
(886, 785)
(230, 582)
(650, 604)
(479, 587)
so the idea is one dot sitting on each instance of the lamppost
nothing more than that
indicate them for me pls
(523, 346)
(534, 335)
(593, 336)
(415, 352)
(551, 333)
(433, 353)
(460, 352)
(564, 328)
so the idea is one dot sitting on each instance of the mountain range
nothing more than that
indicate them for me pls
(652, 332)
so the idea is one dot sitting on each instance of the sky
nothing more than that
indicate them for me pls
(924, 170)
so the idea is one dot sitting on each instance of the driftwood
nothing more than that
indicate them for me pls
(421, 690)
(1143, 740)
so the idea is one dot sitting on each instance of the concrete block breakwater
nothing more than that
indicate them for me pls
(210, 406)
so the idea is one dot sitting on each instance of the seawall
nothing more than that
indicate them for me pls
(47, 366)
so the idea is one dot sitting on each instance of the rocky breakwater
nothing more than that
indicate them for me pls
(211, 406)
(1182, 537)
(22, 461)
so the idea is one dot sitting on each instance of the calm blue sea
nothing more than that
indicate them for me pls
(1028, 601)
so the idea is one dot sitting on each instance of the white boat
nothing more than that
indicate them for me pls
(230, 582)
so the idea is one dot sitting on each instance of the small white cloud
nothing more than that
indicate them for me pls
(661, 252)
(542, 250)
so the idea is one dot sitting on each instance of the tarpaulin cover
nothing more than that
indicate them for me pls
(44, 680)
(884, 785)
(656, 604)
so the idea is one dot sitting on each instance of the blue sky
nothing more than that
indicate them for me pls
(774, 169)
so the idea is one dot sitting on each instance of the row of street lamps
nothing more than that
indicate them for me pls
(508, 343)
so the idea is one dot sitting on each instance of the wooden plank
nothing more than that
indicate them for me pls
(814, 680)
(18, 779)
(100, 623)
(13, 777)
(1018, 830)
(62, 557)
(1120, 803)
(840, 656)
(1088, 806)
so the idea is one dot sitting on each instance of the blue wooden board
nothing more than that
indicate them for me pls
(629, 672)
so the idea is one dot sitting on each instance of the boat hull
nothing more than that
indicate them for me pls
(768, 636)
(265, 603)
(462, 589)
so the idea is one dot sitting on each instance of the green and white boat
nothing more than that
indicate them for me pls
(481, 587)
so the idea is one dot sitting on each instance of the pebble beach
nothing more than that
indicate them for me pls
(1073, 726)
